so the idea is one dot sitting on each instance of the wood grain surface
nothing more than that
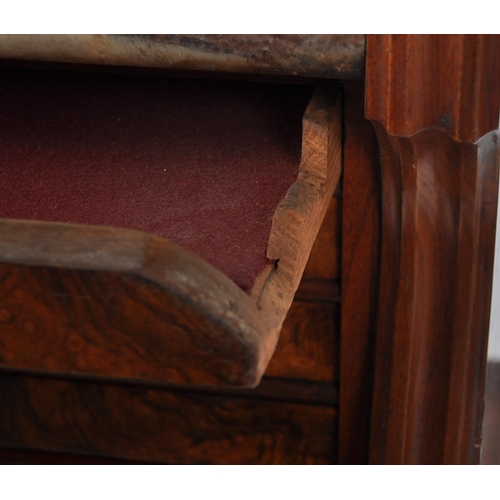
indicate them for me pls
(298, 218)
(308, 347)
(312, 290)
(360, 276)
(35, 457)
(450, 82)
(434, 102)
(324, 259)
(330, 56)
(163, 426)
(120, 303)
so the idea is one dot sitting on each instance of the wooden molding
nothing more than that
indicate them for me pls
(434, 102)
(415, 82)
(360, 277)
(318, 56)
(113, 302)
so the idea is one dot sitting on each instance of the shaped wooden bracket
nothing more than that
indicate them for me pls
(434, 101)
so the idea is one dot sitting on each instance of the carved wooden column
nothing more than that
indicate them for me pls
(434, 101)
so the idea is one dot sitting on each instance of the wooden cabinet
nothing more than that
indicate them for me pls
(381, 355)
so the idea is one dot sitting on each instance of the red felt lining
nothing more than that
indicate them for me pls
(202, 163)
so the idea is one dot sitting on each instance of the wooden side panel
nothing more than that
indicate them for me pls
(435, 300)
(164, 426)
(434, 101)
(360, 273)
(298, 219)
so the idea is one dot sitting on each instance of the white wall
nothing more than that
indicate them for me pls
(494, 341)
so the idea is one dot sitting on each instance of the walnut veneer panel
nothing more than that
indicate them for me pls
(308, 346)
(166, 426)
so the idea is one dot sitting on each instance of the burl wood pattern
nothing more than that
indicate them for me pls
(105, 301)
(121, 303)
(158, 425)
(434, 101)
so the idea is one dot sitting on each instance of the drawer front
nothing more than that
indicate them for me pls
(159, 425)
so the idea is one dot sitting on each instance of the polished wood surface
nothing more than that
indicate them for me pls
(360, 276)
(102, 301)
(163, 426)
(449, 82)
(434, 103)
(308, 347)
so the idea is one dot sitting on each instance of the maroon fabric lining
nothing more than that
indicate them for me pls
(202, 163)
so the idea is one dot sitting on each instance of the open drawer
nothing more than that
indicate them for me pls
(157, 228)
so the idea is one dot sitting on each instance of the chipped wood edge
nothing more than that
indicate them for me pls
(298, 218)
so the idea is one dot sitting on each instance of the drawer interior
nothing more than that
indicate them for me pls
(201, 163)
(157, 228)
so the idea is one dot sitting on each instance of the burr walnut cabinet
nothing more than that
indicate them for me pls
(246, 249)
